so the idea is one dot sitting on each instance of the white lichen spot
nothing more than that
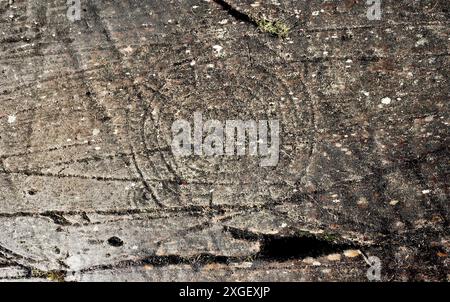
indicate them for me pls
(421, 42)
(386, 101)
(393, 202)
(218, 49)
(12, 119)
(95, 132)
(127, 50)
(362, 201)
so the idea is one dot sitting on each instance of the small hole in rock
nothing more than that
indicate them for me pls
(115, 241)
(31, 192)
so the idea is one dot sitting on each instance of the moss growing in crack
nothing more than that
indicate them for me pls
(57, 276)
(276, 28)
(331, 237)
(250, 258)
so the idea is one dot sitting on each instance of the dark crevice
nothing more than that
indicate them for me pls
(196, 262)
(286, 248)
(293, 246)
(277, 248)
(57, 218)
(85, 216)
(115, 241)
(240, 16)
(193, 210)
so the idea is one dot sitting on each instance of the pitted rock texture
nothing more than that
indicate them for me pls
(90, 189)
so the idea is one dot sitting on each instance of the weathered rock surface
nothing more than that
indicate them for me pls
(90, 189)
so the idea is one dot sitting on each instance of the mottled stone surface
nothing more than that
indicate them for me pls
(90, 189)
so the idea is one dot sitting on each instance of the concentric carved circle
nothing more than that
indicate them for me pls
(232, 88)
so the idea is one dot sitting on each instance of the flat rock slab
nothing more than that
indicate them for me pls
(90, 189)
